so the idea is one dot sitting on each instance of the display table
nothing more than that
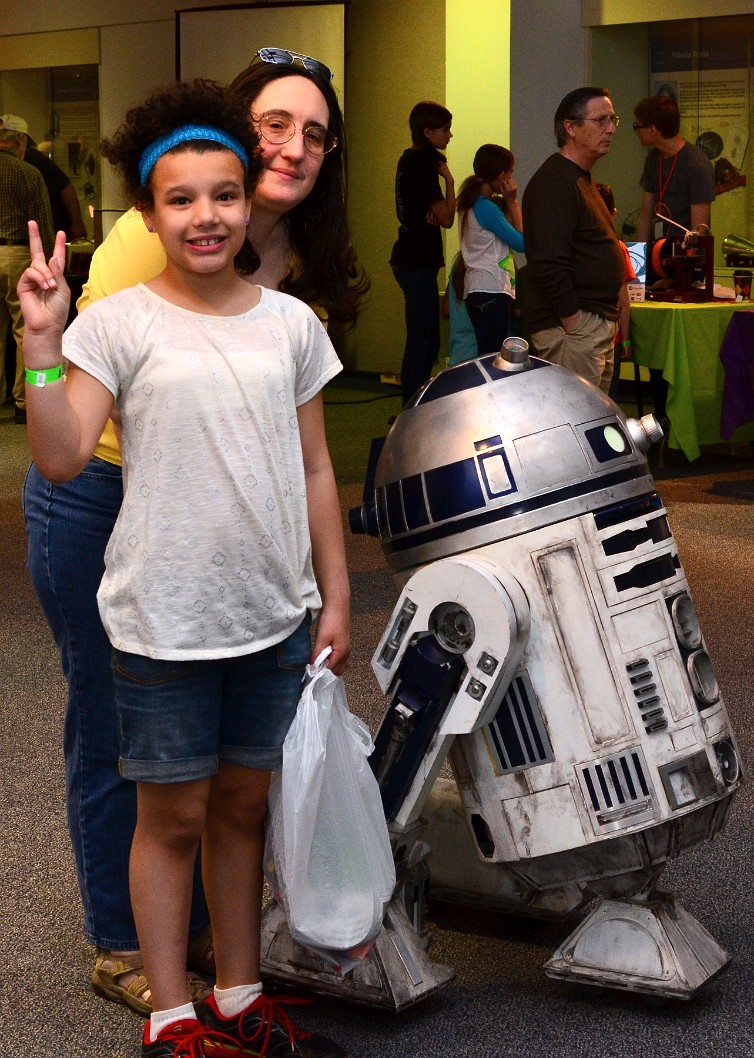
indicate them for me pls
(683, 340)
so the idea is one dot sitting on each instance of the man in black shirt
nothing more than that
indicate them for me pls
(575, 264)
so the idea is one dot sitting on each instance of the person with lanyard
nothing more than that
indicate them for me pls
(228, 541)
(298, 228)
(678, 180)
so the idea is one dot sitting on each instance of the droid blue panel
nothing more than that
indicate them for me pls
(453, 489)
(395, 518)
(414, 504)
(465, 376)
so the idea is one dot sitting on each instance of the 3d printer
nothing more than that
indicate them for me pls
(683, 265)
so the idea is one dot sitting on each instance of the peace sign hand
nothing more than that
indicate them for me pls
(42, 290)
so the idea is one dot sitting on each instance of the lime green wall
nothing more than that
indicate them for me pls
(396, 54)
(477, 83)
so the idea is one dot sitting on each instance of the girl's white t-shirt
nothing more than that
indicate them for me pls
(210, 556)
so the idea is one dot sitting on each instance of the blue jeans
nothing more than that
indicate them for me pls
(422, 327)
(490, 316)
(68, 527)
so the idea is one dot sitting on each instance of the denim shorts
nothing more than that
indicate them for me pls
(177, 719)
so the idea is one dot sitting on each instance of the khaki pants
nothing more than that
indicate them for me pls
(587, 349)
(14, 260)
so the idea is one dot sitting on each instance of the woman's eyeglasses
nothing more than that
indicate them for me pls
(637, 126)
(277, 128)
(283, 57)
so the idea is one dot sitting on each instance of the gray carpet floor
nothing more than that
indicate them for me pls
(501, 1003)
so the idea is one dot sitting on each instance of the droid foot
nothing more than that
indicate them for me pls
(395, 974)
(650, 946)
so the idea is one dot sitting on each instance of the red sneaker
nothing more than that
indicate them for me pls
(188, 1039)
(264, 1030)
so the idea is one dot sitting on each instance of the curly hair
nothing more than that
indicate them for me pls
(328, 275)
(183, 103)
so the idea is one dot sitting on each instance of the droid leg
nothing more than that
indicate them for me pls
(647, 944)
(444, 670)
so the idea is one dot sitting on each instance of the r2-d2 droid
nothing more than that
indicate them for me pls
(544, 641)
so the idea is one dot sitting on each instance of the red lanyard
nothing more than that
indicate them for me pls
(663, 187)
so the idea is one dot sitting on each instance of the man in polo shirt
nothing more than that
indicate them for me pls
(575, 263)
(23, 197)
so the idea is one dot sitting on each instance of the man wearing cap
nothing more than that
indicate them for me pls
(66, 208)
(23, 197)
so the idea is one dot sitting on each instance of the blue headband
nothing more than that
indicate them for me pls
(186, 134)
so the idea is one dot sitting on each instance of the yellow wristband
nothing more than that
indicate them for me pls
(41, 378)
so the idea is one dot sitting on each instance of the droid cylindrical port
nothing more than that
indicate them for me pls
(702, 676)
(514, 355)
(686, 622)
(727, 758)
(362, 521)
(645, 431)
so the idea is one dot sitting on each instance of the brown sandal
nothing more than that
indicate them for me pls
(134, 993)
(201, 952)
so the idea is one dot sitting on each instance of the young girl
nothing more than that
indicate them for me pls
(487, 240)
(299, 228)
(417, 255)
(230, 509)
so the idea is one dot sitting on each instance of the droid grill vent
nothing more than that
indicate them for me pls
(517, 737)
(646, 692)
(656, 530)
(644, 574)
(616, 783)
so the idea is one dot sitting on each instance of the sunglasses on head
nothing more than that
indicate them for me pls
(283, 57)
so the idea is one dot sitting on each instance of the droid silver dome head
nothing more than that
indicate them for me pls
(493, 448)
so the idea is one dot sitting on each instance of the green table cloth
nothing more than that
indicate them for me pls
(683, 340)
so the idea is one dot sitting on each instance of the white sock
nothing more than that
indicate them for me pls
(231, 1001)
(161, 1018)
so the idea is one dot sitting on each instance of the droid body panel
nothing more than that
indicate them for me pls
(611, 724)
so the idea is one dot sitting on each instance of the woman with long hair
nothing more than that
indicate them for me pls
(488, 239)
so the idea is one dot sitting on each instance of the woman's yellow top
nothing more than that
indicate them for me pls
(129, 255)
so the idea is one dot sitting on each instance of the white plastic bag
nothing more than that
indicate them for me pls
(328, 856)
